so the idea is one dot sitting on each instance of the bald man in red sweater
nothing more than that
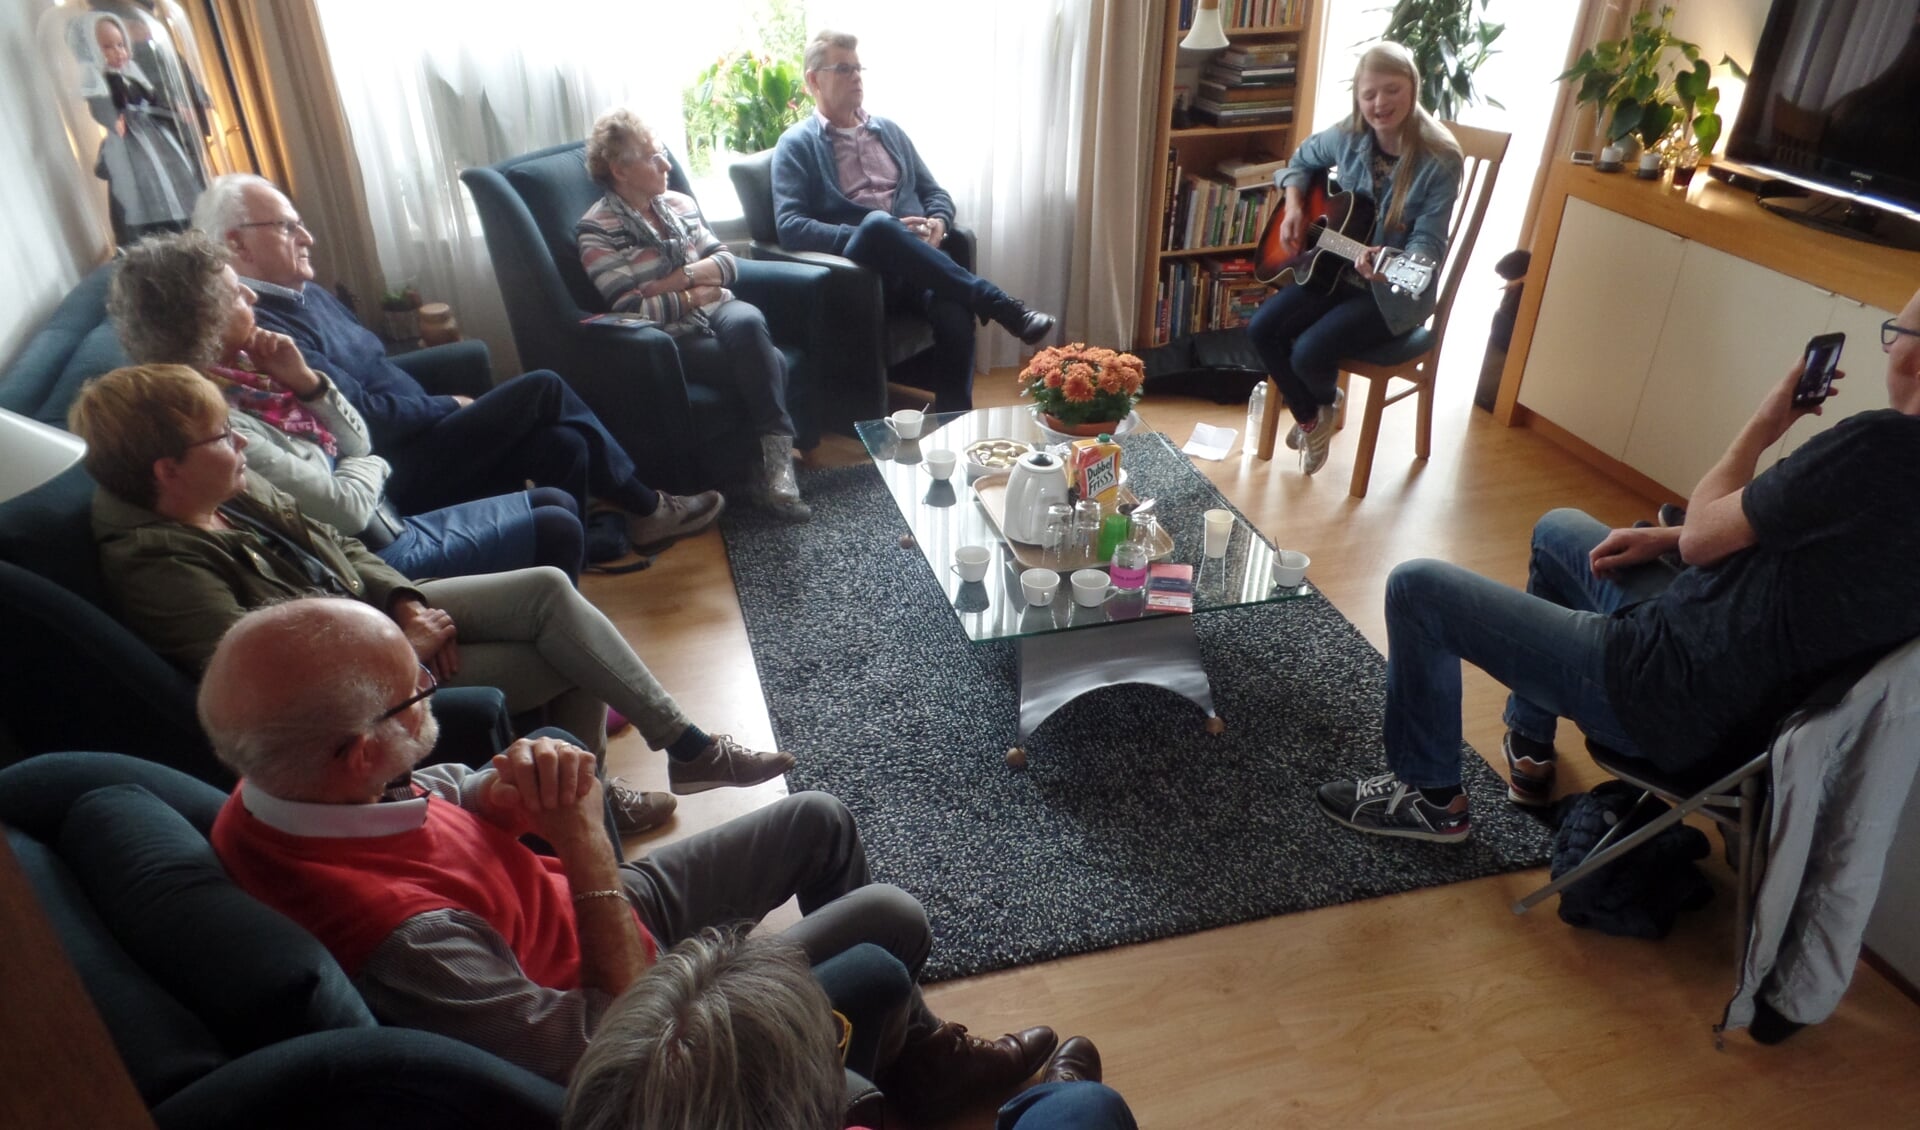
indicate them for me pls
(416, 881)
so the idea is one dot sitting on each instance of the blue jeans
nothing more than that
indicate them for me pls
(926, 280)
(1302, 334)
(1066, 1106)
(1547, 645)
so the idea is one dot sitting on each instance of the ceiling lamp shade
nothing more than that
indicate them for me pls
(1207, 32)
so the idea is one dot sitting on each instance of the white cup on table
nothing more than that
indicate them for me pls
(971, 561)
(1290, 568)
(1039, 586)
(1219, 532)
(906, 423)
(1089, 587)
(940, 462)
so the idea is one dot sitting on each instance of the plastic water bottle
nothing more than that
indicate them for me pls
(1256, 415)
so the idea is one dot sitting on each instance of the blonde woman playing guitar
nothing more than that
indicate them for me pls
(1392, 153)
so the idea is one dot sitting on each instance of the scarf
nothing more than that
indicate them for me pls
(247, 390)
(676, 250)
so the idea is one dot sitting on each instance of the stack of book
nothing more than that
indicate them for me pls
(1247, 85)
(1214, 293)
(1212, 211)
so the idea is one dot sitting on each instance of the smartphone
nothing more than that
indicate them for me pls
(1816, 381)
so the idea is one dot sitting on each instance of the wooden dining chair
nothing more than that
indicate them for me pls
(1414, 356)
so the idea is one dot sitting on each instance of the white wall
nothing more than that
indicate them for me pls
(53, 232)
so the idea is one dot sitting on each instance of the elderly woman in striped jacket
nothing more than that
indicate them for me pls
(650, 253)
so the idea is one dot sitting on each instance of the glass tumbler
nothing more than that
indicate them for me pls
(1053, 540)
(1086, 526)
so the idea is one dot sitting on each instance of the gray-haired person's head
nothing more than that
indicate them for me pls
(222, 207)
(824, 41)
(725, 1032)
(617, 135)
(170, 300)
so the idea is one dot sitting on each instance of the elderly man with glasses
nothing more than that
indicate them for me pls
(443, 449)
(1788, 575)
(417, 883)
(851, 183)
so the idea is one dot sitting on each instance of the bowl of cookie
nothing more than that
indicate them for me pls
(993, 456)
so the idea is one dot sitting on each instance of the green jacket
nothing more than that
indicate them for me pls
(181, 588)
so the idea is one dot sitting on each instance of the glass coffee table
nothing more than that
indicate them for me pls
(1066, 649)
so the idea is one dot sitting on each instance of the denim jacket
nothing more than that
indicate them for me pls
(1423, 220)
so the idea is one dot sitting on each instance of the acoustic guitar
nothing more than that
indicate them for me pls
(1336, 237)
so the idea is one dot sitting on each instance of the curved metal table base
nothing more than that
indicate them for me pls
(1160, 651)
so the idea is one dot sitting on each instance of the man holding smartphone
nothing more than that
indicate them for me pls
(1790, 574)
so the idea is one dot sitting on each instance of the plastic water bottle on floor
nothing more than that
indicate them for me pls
(1256, 415)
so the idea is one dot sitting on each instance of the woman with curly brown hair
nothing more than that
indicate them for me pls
(175, 300)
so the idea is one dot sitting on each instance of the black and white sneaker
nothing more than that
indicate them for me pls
(1530, 768)
(1388, 806)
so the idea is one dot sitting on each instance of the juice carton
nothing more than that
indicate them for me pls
(1096, 470)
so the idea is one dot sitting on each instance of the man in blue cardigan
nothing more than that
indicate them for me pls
(851, 183)
(444, 449)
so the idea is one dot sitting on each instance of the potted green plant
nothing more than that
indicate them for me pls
(1449, 41)
(1650, 84)
(400, 309)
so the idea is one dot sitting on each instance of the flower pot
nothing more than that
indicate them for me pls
(1098, 427)
(402, 325)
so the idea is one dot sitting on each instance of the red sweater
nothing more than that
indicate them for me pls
(351, 892)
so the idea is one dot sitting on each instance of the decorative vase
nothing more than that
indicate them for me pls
(1098, 427)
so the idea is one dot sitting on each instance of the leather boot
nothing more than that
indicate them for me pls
(779, 489)
(946, 1068)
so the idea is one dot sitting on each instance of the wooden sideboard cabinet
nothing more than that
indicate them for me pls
(1654, 320)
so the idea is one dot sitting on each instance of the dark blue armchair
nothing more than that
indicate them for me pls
(224, 1012)
(666, 401)
(867, 345)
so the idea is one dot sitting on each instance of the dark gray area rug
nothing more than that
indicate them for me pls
(1129, 822)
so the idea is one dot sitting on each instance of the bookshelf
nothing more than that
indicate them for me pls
(1198, 224)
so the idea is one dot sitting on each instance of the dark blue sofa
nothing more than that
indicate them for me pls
(225, 1013)
(70, 675)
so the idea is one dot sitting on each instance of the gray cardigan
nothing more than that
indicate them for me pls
(811, 212)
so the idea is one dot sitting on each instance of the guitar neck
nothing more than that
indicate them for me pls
(1348, 249)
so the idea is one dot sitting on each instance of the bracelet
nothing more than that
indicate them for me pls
(587, 896)
(317, 393)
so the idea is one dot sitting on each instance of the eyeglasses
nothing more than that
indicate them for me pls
(227, 433)
(287, 227)
(1889, 332)
(842, 69)
(401, 707)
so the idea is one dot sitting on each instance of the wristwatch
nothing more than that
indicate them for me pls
(687, 270)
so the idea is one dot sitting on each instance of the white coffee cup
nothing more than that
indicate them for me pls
(906, 423)
(1290, 568)
(1039, 585)
(1089, 587)
(941, 462)
(970, 562)
(1219, 532)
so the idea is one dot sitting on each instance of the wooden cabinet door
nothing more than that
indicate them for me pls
(1607, 294)
(1732, 331)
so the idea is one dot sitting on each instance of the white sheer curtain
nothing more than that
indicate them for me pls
(431, 87)
(996, 98)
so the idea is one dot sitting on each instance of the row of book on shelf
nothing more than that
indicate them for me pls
(1247, 85)
(1227, 206)
(1208, 293)
(1237, 14)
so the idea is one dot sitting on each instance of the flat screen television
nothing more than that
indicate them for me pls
(1833, 105)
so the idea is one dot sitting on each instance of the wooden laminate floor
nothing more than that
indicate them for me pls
(1438, 1007)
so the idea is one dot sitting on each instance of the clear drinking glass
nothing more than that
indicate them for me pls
(1058, 531)
(1086, 526)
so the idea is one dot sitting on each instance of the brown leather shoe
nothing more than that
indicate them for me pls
(948, 1068)
(1077, 1061)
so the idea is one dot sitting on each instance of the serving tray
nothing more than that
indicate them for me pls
(991, 490)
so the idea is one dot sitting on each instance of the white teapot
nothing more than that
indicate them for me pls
(1038, 480)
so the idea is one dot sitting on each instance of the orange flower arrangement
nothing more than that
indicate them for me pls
(1079, 385)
